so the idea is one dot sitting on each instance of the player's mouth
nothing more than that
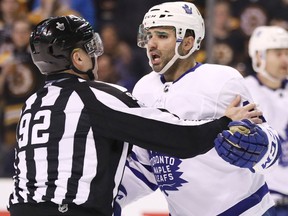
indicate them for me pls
(155, 58)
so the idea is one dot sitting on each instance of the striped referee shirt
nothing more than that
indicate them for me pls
(73, 139)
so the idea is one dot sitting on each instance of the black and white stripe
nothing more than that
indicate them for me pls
(73, 141)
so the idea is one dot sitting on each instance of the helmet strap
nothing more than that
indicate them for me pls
(169, 64)
(261, 69)
(269, 77)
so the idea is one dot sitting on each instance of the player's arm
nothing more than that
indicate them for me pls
(138, 180)
(155, 129)
(247, 145)
(251, 146)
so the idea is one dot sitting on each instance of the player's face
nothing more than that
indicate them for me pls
(161, 46)
(277, 63)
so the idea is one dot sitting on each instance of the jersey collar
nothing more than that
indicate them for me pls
(283, 84)
(162, 78)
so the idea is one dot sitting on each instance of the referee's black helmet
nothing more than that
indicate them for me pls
(53, 40)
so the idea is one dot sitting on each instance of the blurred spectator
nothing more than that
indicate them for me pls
(121, 54)
(19, 78)
(234, 21)
(278, 13)
(252, 16)
(106, 10)
(86, 8)
(48, 8)
(128, 20)
(228, 41)
(229, 44)
(274, 11)
(10, 10)
(106, 69)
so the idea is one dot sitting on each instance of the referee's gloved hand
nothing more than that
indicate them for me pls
(243, 145)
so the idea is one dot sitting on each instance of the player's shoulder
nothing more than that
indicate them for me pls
(251, 79)
(148, 79)
(225, 70)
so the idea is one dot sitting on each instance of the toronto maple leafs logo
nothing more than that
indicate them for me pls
(167, 172)
(60, 26)
(187, 9)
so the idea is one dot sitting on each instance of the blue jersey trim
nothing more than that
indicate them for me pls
(142, 177)
(283, 84)
(278, 193)
(134, 157)
(247, 203)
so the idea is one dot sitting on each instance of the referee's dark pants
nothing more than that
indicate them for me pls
(51, 209)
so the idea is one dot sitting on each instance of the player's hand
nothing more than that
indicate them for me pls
(248, 111)
(243, 145)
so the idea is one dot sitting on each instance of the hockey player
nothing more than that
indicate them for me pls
(268, 49)
(204, 185)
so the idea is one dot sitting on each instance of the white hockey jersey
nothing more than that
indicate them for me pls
(205, 185)
(274, 104)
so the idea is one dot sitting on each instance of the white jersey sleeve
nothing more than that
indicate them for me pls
(274, 150)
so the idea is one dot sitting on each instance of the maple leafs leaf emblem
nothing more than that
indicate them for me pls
(167, 172)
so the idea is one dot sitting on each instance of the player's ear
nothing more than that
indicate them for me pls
(259, 56)
(187, 44)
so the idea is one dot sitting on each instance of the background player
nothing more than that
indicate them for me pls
(268, 49)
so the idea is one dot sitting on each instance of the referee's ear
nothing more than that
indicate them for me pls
(76, 56)
(79, 59)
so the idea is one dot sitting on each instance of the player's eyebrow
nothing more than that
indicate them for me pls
(161, 32)
(158, 32)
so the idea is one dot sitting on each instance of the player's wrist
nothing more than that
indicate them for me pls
(224, 121)
(272, 153)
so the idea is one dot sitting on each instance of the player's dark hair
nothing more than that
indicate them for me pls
(190, 32)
